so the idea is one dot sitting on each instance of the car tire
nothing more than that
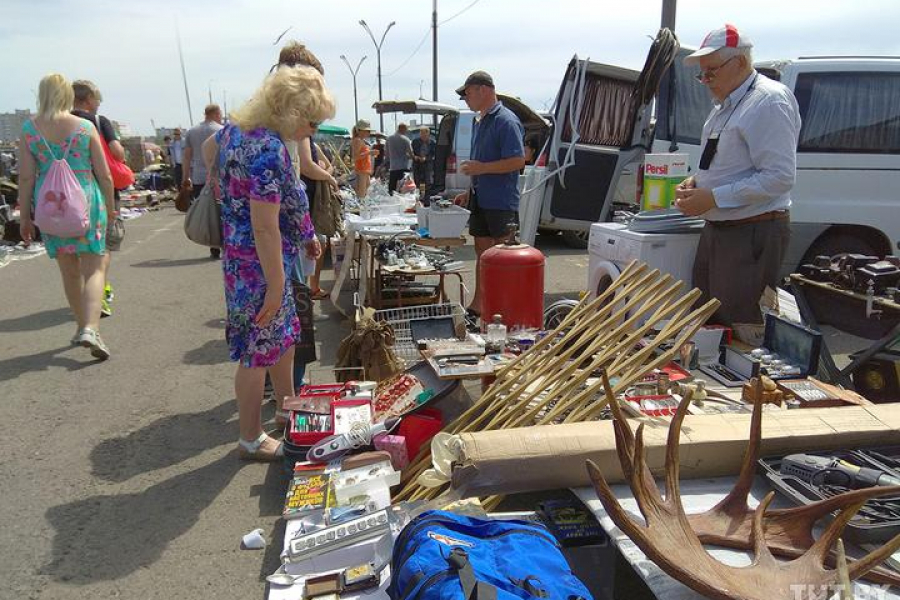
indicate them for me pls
(556, 312)
(576, 239)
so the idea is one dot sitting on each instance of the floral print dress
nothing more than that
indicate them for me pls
(254, 166)
(78, 146)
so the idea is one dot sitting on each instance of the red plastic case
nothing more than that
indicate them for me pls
(310, 438)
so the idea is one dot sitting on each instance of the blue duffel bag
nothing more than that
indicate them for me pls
(444, 556)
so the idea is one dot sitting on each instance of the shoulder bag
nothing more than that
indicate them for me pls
(122, 174)
(203, 221)
(327, 214)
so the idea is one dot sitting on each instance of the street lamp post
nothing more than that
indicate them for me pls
(378, 57)
(353, 73)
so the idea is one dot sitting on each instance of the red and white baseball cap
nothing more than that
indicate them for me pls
(724, 37)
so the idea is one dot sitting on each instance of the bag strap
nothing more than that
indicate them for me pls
(472, 588)
(66, 141)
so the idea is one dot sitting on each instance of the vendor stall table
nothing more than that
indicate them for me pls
(383, 297)
(697, 495)
(876, 318)
(359, 254)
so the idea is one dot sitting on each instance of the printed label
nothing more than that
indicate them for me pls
(449, 541)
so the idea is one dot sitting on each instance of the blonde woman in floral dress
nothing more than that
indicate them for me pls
(265, 226)
(55, 134)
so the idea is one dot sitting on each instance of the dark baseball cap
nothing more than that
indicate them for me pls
(476, 78)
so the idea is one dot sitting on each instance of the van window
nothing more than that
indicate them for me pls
(692, 101)
(606, 114)
(849, 112)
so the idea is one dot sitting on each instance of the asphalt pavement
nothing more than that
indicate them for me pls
(120, 479)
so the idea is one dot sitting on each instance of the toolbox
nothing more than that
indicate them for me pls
(796, 343)
(793, 344)
(877, 521)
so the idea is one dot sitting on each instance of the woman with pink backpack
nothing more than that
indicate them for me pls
(65, 188)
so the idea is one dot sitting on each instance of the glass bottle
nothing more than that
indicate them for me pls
(496, 335)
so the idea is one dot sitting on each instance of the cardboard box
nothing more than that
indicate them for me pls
(553, 456)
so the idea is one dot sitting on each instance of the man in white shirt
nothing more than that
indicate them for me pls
(743, 185)
(176, 155)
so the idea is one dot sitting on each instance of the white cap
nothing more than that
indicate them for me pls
(724, 37)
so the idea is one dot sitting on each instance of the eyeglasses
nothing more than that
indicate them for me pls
(708, 74)
(315, 124)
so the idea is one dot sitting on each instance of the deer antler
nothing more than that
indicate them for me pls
(789, 530)
(669, 540)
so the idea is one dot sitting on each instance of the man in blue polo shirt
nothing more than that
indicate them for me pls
(498, 154)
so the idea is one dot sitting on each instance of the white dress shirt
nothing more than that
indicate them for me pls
(755, 165)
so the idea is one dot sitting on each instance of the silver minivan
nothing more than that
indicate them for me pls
(454, 135)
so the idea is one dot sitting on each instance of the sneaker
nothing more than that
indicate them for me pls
(89, 338)
(108, 294)
(105, 308)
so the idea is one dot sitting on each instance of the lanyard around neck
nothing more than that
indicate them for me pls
(736, 106)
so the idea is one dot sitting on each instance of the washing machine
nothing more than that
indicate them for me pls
(612, 246)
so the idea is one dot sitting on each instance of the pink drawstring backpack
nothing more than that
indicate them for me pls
(61, 208)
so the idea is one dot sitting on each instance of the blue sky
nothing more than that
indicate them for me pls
(129, 48)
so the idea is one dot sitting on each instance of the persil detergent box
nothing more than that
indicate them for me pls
(662, 174)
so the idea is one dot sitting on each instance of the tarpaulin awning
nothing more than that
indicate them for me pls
(332, 130)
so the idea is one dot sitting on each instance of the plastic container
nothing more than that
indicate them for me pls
(372, 211)
(419, 428)
(447, 222)
(422, 216)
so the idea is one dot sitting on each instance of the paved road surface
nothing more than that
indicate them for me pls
(120, 479)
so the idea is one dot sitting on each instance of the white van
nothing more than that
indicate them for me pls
(847, 195)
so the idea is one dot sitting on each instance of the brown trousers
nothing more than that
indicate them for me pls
(735, 263)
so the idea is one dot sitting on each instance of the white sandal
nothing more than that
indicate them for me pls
(254, 451)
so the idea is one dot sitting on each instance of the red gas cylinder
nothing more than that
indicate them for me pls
(512, 285)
